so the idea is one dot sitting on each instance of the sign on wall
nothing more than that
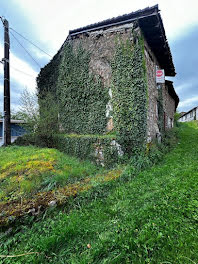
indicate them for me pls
(160, 76)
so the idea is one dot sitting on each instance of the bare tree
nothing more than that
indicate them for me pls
(40, 116)
(29, 109)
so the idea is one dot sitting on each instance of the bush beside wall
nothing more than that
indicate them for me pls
(102, 150)
(98, 149)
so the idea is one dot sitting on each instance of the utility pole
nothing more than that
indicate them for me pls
(6, 116)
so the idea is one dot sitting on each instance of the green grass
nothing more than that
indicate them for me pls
(150, 218)
(33, 177)
(25, 171)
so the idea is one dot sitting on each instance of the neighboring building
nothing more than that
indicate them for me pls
(190, 115)
(16, 130)
(181, 113)
(100, 41)
(171, 101)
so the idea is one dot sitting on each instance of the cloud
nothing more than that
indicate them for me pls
(53, 19)
(22, 76)
(20, 71)
(40, 55)
(187, 104)
(46, 23)
(185, 56)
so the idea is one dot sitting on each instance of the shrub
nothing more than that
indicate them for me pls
(96, 148)
(154, 154)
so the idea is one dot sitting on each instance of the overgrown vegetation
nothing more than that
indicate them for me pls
(82, 97)
(29, 174)
(160, 111)
(81, 94)
(150, 217)
(129, 88)
(96, 148)
(40, 120)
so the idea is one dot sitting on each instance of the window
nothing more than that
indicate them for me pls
(169, 122)
(191, 114)
(156, 110)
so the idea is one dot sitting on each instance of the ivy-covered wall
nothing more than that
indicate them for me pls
(48, 77)
(169, 107)
(161, 105)
(153, 96)
(130, 95)
(105, 80)
(82, 95)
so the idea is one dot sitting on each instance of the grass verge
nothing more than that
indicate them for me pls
(153, 218)
(31, 177)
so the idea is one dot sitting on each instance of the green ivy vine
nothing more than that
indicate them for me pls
(160, 111)
(82, 98)
(82, 95)
(130, 96)
(48, 77)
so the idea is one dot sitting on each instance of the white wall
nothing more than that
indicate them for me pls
(12, 140)
(190, 116)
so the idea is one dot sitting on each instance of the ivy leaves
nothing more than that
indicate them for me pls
(130, 96)
(82, 96)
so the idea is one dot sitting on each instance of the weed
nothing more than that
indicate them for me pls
(150, 219)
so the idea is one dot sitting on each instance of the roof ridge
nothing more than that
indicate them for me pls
(109, 21)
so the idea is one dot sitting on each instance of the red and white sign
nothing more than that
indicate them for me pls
(160, 76)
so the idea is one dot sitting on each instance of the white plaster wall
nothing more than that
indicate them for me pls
(190, 116)
(12, 140)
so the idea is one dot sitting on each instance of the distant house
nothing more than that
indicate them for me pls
(16, 130)
(190, 115)
(182, 113)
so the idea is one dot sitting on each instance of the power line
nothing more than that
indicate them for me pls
(19, 70)
(31, 42)
(12, 82)
(23, 72)
(25, 50)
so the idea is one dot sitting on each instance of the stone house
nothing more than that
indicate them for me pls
(191, 115)
(100, 41)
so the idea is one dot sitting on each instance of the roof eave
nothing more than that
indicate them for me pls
(154, 34)
(172, 92)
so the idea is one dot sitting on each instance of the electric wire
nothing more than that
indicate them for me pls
(2, 19)
(22, 72)
(25, 50)
(31, 42)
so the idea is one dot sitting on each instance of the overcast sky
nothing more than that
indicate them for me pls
(47, 22)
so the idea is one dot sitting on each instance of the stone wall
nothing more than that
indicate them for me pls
(169, 108)
(153, 98)
(152, 116)
(102, 46)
